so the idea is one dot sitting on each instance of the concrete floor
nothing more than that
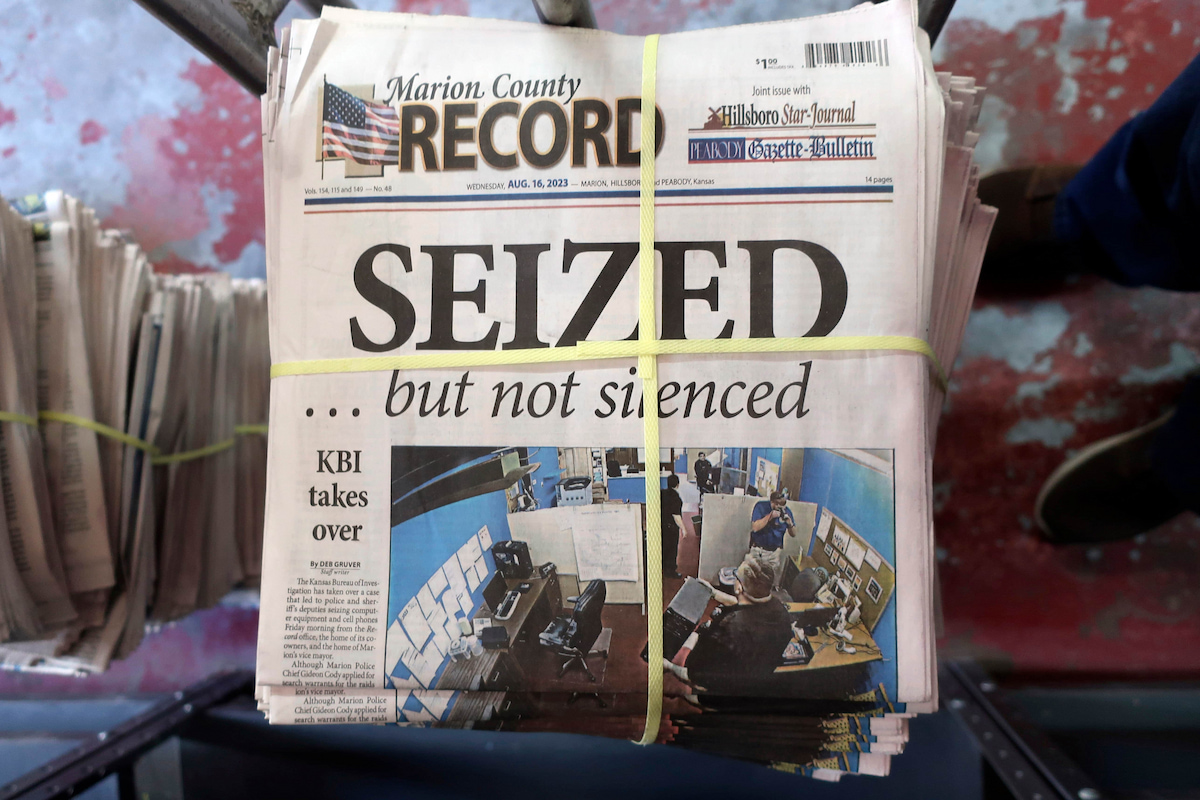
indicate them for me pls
(108, 104)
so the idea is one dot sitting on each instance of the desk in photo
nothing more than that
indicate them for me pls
(473, 708)
(824, 645)
(501, 668)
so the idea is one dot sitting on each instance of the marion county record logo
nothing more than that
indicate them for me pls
(358, 130)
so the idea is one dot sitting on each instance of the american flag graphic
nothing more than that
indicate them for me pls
(360, 130)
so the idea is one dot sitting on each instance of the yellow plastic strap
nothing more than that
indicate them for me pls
(648, 367)
(190, 455)
(132, 441)
(589, 351)
(24, 419)
(98, 427)
(250, 430)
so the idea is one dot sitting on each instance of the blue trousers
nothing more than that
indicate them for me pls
(1132, 212)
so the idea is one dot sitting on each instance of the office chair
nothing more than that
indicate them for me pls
(573, 636)
(804, 585)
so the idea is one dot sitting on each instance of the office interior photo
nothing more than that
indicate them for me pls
(523, 568)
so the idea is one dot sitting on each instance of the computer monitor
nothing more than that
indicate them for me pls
(512, 559)
(495, 591)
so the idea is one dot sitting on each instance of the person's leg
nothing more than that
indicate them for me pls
(1130, 215)
(1132, 210)
(670, 550)
(1175, 451)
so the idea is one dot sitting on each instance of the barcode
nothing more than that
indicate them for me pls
(846, 54)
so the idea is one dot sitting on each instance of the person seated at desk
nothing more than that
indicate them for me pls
(739, 649)
(769, 521)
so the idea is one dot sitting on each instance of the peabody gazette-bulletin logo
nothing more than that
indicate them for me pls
(785, 146)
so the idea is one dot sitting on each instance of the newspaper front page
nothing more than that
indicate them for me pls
(440, 541)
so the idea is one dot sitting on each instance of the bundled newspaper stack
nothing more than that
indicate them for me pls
(126, 491)
(491, 308)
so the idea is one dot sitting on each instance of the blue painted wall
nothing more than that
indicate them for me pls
(863, 499)
(631, 489)
(422, 544)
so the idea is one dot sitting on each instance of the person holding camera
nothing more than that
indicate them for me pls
(769, 521)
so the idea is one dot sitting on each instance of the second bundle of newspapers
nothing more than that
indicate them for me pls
(128, 492)
(591, 419)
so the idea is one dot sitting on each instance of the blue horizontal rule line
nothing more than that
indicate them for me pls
(631, 194)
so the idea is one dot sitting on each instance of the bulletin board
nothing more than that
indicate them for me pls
(840, 550)
(766, 476)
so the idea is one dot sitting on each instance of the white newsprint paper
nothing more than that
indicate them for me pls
(440, 185)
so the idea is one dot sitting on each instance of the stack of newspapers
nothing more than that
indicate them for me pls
(572, 437)
(127, 494)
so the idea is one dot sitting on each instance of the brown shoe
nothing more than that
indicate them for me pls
(1107, 491)
(1022, 247)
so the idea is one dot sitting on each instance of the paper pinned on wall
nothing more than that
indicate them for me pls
(452, 629)
(468, 553)
(419, 666)
(855, 552)
(607, 543)
(438, 618)
(435, 702)
(420, 715)
(841, 539)
(454, 576)
(414, 623)
(441, 640)
(472, 577)
(485, 538)
(825, 525)
(437, 582)
(426, 601)
(449, 604)
(481, 569)
(874, 559)
(431, 660)
(397, 643)
(465, 603)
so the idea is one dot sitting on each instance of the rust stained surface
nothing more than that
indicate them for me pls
(1042, 377)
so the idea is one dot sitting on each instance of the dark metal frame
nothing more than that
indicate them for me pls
(1020, 760)
(1023, 757)
(235, 34)
(116, 751)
